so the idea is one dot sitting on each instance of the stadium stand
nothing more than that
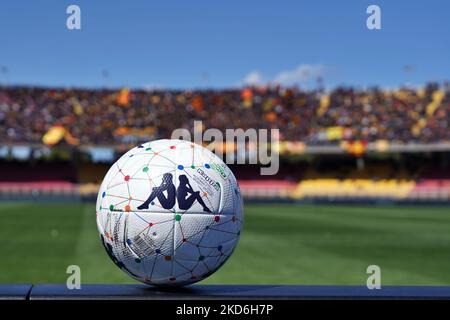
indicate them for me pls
(102, 117)
(345, 144)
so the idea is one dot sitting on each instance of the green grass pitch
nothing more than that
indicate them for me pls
(280, 244)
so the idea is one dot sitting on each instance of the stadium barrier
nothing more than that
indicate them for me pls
(308, 190)
(218, 292)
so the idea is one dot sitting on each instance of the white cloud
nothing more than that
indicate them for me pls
(303, 73)
(152, 86)
(300, 75)
(254, 78)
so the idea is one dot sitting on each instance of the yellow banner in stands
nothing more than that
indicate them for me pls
(324, 104)
(435, 103)
(335, 133)
(54, 135)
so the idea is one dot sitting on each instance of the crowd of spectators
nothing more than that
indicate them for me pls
(102, 117)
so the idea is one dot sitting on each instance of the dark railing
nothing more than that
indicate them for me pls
(219, 292)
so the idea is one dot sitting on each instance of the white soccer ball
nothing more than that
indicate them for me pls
(169, 212)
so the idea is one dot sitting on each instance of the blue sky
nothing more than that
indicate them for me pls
(192, 44)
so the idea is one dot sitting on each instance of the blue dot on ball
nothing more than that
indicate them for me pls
(158, 251)
(103, 194)
(180, 167)
(207, 166)
(219, 248)
(153, 203)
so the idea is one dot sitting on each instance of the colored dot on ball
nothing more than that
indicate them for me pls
(152, 203)
(127, 208)
(148, 149)
(172, 147)
(126, 178)
(158, 251)
(141, 146)
(180, 167)
(131, 155)
(192, 167)
(177, 217)
(207, 166)
(150, 224)
(103, 194)
(111, 207)
(201, 258)
(219, 248)
(168, 258)
(129, 241)
(145, 169)
(217, 218)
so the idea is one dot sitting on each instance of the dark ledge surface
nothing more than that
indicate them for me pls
(220, 292)
(15, 291)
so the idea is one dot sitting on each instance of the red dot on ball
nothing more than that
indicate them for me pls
(217, 218)
(172, 147)
(127, 178)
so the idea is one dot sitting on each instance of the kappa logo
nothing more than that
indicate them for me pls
(210, 181)
(184, 195)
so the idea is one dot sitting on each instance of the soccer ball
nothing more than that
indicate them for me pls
(169, 212)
